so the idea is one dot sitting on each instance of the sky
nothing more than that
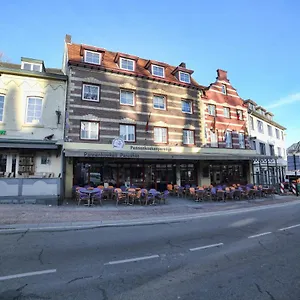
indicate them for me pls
(256, 41)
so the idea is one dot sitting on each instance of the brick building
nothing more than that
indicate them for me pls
(226, 136)
(153, 106)
(160, 113)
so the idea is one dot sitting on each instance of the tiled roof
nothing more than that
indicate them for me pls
(75, 55)
(18, 67)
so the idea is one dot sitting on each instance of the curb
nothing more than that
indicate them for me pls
(21, 228)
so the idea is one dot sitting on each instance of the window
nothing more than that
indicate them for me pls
(127, 97)
(260, 126)
(283, 152)
(34, 110)
(159, 102)
(211, 109)
(224, 89)
(277, 133)
(254, 145)
(1, 107)
(227, 112)
(127, 64)
(272, 153)
(89, 130)
(92, 57)
(127, 133)
(158, 71)
(279, 151)
(282, 134)
(214, 139)
(160, 135)
(184, 77)
(250, 106)
(241, 140)
(32, 67)
(188, 137)
(270, 131)
(3, 161)
(90, 92)
(251, 123)
(262, 148)
(239, 114)
(44, 160)
(187, 106)
(228, 139)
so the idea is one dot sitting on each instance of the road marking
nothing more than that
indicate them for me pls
(131, 260)
(290, 227)
(207, 246)
(27, 274)
(257, 235)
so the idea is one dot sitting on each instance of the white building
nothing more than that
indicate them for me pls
(268, 139)
(32, 113)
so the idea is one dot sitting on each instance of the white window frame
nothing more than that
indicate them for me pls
(160, 138)
(228, 141)
(184, 74)
(242, 140)
(90, 85)
(189, 137)
(270, 130)
(239, 114)
(89, 138)
(123, 59)
(127, 91)
(279, 152)
(159, 67)
(251, 123)
(277, 133)
(264, 148)
(273, 148)
(210, 111)
(282, 135)
(126, 139)
(164, 101)
(228, 110)
(31, 66)
(224, 89)
(2, 115)
(214, 141)
(190, 104)
(95, 53)
(261, 130)
(39, 121)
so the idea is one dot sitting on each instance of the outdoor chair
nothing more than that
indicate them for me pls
(180, 192)
(220, 195)
(119, 196)
(131, 195)
(237, 195)
(163, 196)
(144, 196)
(200, 194)
(152, 194)
(82, 196)
(192, 193)
(97, 197)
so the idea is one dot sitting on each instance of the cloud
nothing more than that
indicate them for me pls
(286, 100)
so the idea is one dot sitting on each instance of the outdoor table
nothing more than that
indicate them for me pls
(89, 192)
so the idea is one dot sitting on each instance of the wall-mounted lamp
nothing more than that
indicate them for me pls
(58, 114)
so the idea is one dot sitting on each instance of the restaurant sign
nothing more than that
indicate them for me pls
(151, 148)
(111, 154)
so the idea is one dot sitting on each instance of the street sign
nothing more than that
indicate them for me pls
(2, 132)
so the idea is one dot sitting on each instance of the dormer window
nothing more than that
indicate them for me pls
(31, 66)
(224, 89)
(92, 57)
(184, 77)
(126, 64)
(158, 71)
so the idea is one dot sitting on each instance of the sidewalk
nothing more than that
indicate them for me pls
(26, 215)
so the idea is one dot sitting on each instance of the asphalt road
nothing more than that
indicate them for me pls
(250, 255)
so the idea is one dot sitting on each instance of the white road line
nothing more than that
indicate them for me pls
(207, 246)
(290, 227)
(257, 235)
(131, 260)
(27, 274)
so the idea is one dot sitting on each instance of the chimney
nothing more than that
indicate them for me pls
(183, 65)
(68, 39)
(222, 75)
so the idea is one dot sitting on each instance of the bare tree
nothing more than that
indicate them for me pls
(3, 58)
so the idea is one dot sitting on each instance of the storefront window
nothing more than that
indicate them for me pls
(3, 159)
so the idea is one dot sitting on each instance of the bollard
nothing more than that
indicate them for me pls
(294, 189)
(282, 188)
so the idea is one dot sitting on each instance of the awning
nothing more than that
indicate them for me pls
(28, 144)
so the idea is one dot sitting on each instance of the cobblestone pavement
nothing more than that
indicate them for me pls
(69, 212)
